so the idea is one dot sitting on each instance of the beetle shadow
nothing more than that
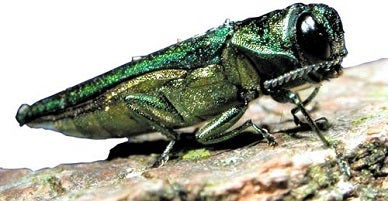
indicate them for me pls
(187, 142)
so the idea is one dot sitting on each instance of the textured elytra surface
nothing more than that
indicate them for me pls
(299, 167)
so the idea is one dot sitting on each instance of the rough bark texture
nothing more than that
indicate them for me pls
(300, 167)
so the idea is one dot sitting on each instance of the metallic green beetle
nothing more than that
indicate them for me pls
(211, 77)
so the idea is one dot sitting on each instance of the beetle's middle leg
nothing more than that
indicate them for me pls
(147, 110)
(215, 131)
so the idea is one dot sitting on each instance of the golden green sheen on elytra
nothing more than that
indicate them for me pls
(188, 54)
(207, 78)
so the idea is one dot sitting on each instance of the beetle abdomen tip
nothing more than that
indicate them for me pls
(22, 113)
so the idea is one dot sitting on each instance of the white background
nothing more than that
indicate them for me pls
(47, 46)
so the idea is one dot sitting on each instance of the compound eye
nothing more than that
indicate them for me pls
(312, 38)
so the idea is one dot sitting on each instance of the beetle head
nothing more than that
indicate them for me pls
(290, 47)
(319, 39)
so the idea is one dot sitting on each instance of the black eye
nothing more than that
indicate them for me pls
(312, 38)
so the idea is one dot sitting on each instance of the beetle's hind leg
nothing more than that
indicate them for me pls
(147, 110)
(215, 131)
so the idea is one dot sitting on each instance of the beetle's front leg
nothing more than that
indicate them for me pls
(292, 97)
(145, 109)
(215, 131)
(322, 122)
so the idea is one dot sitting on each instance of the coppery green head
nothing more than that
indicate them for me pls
(299, 44)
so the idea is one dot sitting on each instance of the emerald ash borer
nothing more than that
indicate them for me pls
(210, 77)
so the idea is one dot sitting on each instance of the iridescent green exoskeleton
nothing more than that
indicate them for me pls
(211, 77)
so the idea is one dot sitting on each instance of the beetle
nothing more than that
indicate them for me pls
(207, 78)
